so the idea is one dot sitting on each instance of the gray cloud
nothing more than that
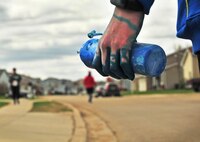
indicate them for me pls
(36, 33)
(41, 38)
(3, 14)
(49, 53)
(51, 15)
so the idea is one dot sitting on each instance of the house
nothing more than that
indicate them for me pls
(30, 86)
(124, 84)
(181, 66)
(56, 86)
(4, 78)
(172, 76)
(79, 85)
(4, 81)
(142, 83)
(190, 65)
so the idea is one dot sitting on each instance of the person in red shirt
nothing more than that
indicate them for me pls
(89, 84)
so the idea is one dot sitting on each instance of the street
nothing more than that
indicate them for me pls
(155, 118)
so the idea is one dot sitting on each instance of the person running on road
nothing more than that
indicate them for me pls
(89, 84)
(15, 86)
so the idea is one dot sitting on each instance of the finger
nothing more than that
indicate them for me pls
(97, 64)
(106, 66)
(125, 63)
(115, 65)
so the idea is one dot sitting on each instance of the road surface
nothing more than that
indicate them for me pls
(155, 118)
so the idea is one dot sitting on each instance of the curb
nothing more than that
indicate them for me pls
(80, 132)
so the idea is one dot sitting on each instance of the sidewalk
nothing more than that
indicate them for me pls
(17, 124)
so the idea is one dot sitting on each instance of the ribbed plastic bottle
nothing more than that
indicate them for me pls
(146, 59)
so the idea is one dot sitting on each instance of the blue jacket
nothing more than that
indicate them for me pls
(188, 21)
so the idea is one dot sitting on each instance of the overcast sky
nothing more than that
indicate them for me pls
(41, 37)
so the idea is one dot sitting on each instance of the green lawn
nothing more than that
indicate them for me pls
(2, 97)
(181, 91)
(2, 104)
(49, 106)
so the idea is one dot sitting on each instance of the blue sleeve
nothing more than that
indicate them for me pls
(146, 5)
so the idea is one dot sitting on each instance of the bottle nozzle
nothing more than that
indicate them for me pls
(93, 33)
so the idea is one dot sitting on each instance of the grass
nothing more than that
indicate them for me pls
(49, 106)
(2, 104)
(2, 97)
(152, 92)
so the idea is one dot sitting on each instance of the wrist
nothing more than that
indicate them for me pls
(129, 14)
(133, 5)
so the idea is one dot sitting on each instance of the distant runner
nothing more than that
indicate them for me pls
(89, 84)
(15, 86)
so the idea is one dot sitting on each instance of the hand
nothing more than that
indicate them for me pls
(113, 56)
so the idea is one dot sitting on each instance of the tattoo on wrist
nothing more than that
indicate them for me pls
(127, 21)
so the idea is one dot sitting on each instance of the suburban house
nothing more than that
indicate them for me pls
(172, 77)
(190, 65)
(181, 67)
(79, 86)
(124, 84)
(30, 86)
(57, 86)
(142, 83)
(4, 81)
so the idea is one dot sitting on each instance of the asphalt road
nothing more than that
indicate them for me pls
(160, 118)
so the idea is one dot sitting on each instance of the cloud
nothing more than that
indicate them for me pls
(3, 14)
(29, 55)
(68, 67)
(41, 37)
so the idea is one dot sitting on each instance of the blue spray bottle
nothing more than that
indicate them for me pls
(146, 59)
